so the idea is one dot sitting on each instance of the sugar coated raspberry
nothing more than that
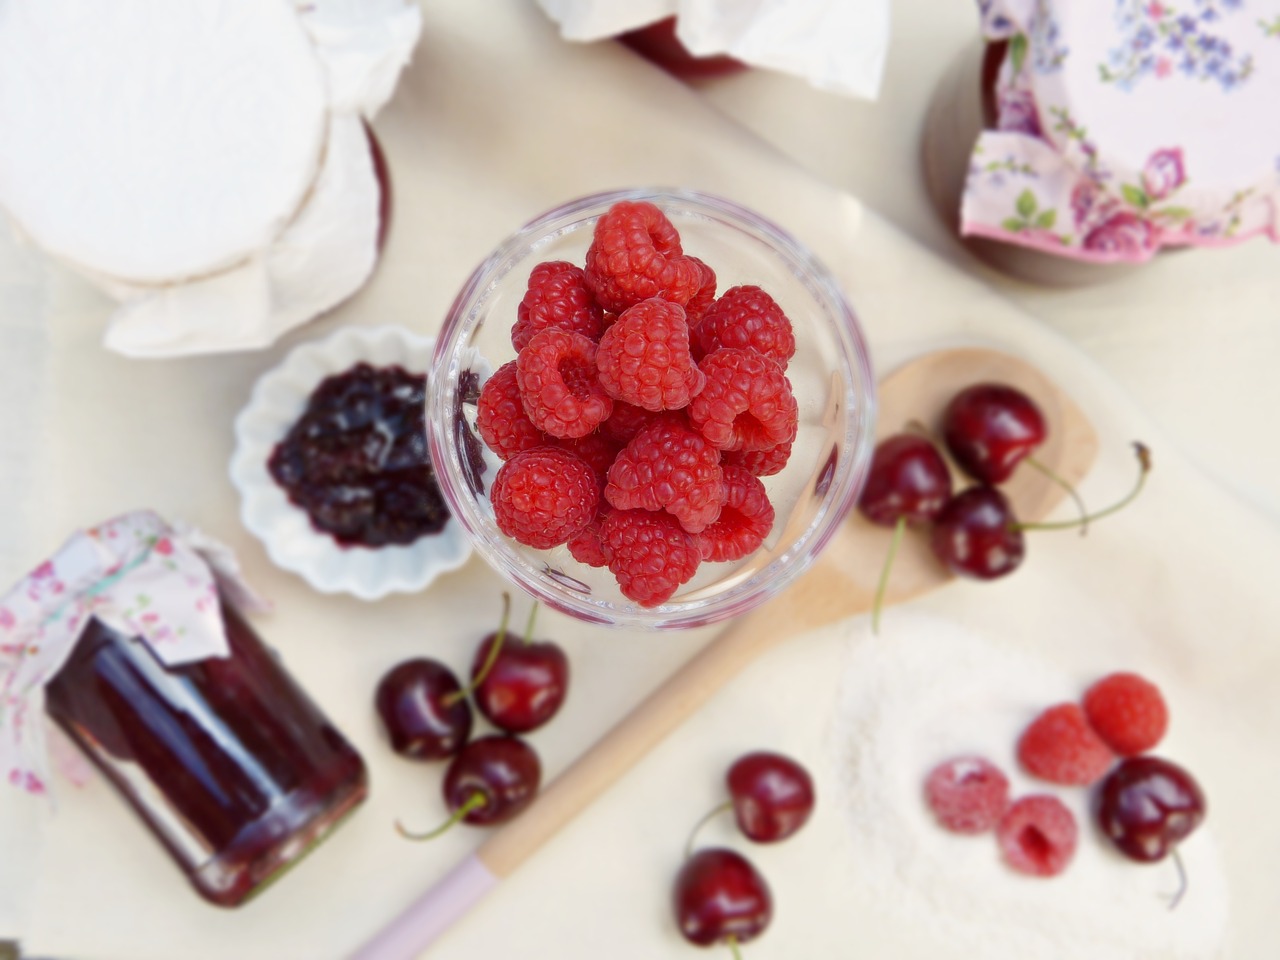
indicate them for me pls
(967, 794)
(1127, 712)
(745, 519)
(1037, 835)
(644, 358)
(747, 318)
(544, 497)
(649, 553)
(669, 467)
(1061, 747)
(557, 296)
(699, 303)
(559, 386)
(635, 254)
(500, 415)
(746, 403)
(762, 463)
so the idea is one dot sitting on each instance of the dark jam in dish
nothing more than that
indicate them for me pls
(357, 461)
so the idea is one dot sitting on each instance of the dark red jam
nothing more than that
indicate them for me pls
(357, 460)
(230, 763)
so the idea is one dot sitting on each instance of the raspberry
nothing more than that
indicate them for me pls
(635, 254)
(1127, 712)
(669, 467)
(626, 421)
(1037, 835)
(557, 296)
(544, 497)
(745, 519)
(595, 449)
(500, 415)
(587, 547)
(644, 358)
(967, 794)
(1061, 747)
(558, 384)
(762, 463)
(749, 319)
(650, 554)
(747, 402)
(698, 304)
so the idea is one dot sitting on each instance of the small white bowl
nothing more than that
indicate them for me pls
(278, 400)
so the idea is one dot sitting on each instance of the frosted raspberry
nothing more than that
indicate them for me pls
(597, 450)
(557, 296)
(587, 547)
(635, 254)
(558, 384)
(762, 463)
(1037, 835)
(644, 358)
(967, 794)
(698, 304)
(626, 421)
(543, 497)
(1061, 747)
(745, 519)
(649, 553)
(500, 415)
(1127, 712)
(747, 402)
(749, 319)
(668, 467)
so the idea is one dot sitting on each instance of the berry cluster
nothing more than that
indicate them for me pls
(1145, 805)
(719, 896)
(427, 715)
(641, 410)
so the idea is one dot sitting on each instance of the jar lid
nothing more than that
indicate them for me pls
(1128, 125)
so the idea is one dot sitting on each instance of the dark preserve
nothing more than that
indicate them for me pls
(228, 761)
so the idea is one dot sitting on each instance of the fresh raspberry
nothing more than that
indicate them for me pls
(1061, 747)
(762, 463)
(559, 386)
(745, 519)
(635, 254)
(544, 497)
(699, 303)
(587, 547)
(500, 415)
(1037, 835)
(749, 319)
(650, 554)
(557, 296)
(644, 357)
(626, 421)
(1127, 712)
(597, 450)
(967, 794)
(669, 467)
(747, 402)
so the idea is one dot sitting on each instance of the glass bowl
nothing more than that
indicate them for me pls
(830, 376)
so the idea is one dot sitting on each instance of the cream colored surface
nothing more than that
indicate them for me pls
(497, 121)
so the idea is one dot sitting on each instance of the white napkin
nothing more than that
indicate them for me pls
(836, 45)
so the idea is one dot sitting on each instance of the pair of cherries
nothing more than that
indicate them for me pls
(427, 715)
(719, 895)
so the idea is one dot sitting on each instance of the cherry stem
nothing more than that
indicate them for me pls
(711, 815)
(528, 627)
(883, 586)
(473, 802)
(489, 660)
(1182, 879)
(732, 943)
(1071, 492)
(1144, 467)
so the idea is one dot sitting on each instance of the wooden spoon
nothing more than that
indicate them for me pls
(841, 584)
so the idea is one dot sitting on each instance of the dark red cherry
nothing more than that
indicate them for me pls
(423, 710)
(525, 685)
(908, 478)
(1147, 805)
(990, 428)
(976, 535)
(772, 795)
(495, 777)
(720, 897)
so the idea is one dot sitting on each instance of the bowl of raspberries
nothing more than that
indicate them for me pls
(651, 408)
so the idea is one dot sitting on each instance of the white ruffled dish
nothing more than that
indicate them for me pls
(279, 398)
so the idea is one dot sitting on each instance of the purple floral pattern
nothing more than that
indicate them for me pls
(1161, 41)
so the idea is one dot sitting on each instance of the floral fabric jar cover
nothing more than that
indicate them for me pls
(1124, 126)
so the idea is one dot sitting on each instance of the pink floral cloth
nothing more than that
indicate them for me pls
(1124, 126)
(137, 575)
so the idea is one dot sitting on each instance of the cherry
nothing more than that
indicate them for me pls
(423, 710)
(908, 480)
(976, 534)
(772, 795)
(990, 428)
(720, 897)
(519, 687)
